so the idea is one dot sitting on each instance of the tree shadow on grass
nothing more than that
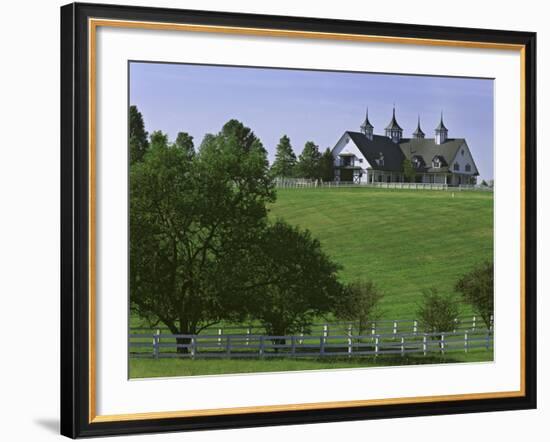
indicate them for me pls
(398, 360)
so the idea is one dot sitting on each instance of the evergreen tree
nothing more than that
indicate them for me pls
(138, 136)
(184, 141)
(285, 159)
(308, 161)
(159, 139)
(326, 166)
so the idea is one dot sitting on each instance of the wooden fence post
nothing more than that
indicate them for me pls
(415, 326)
(321, 345)
(442, 343)
(425, 344)
(474, 323)
(373, 328)
(228, 345)
(193, 347)
(248, 336)
(402, 346)
(376, 345)
(220, 336)
(350, 342)
(325, 330)
(394, 327)
(261, 349)
(156, 342)
(491, 323)
(466, 341)
(293, 345)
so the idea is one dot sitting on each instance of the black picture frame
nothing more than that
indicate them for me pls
(75, 220)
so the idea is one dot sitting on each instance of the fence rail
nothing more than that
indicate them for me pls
(295, 183)
(382, 327)
(475, 187)
(158, 345)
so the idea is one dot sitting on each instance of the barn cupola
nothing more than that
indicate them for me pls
(367, 128)
(441, 132)
(418, 134)
(393, 130)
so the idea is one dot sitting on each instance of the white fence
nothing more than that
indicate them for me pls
(476, 187)
(158, 345)
(384, 327)
(295, 183)
(400, 336)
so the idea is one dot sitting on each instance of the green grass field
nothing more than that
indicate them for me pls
(145, 368)
(404, 240)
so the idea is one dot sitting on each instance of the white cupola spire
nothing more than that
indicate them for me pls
(441, 132)
(393, 130)
(366, 127)
(418, 133)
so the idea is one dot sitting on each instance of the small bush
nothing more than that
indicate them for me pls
(359, 302)
(477, 290)
(436, 312)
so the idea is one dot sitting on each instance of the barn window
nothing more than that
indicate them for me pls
(468, 168)
(462, 152)
(436, 163)
(456, 167)
(416, 162)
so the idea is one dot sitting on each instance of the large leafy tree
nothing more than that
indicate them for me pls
(184, 141)
(285, 159)
(308, 161)
(297, 280)
(193, 221)
(477, 289)
(326, 166)
(138, 135)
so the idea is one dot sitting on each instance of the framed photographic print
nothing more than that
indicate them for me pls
(273, 220)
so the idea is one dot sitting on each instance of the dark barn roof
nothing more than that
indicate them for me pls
(371, 149)
(395, 153)
(427, 149)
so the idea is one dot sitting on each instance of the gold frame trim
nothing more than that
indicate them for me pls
(93, 24)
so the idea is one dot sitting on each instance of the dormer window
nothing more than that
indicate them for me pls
(416, 161)
(438, 161)
(380, 160)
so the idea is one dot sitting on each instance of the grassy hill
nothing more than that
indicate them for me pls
(405, 240)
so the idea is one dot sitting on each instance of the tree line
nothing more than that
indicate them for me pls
(311, 163)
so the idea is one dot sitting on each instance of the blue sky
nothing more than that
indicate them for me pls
(310, 105)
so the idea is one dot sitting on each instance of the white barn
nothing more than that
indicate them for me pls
(364, 157)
